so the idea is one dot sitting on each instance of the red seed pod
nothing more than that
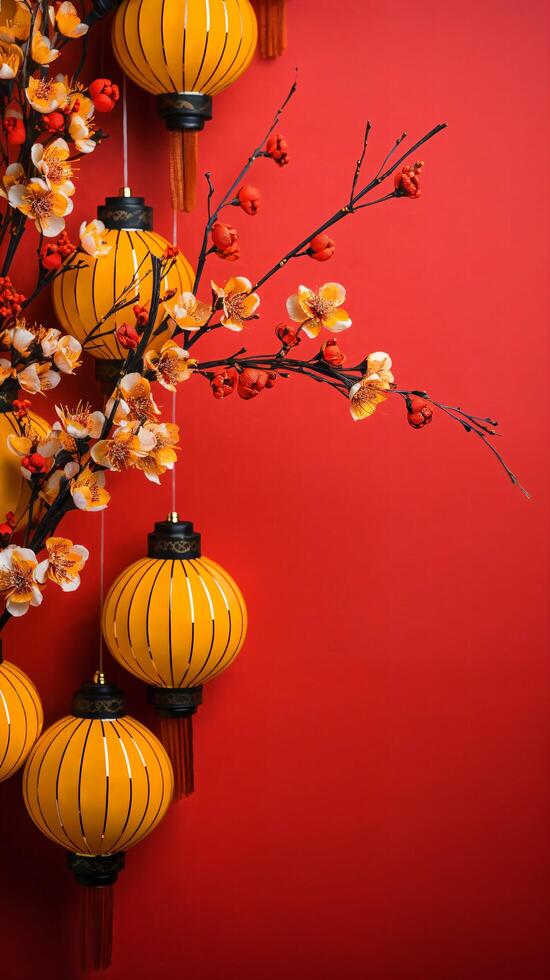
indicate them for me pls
(225, 240)
(103, 93)
(407, 180)
(288, 335)
(331, 353)
(252, 382)
(127, 336)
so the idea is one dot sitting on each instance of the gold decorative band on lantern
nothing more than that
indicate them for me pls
(175, 702)
(173, 538)
(99, 701)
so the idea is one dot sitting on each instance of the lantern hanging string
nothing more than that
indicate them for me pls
(101, 585)
(124, 134)
(174, 393)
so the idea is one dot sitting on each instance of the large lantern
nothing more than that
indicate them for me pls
(184, 53)
(175, 619)
(21, 717)
(97, 782)
(15, 492)
(83, 296)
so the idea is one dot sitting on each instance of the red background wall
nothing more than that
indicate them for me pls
(373, 793)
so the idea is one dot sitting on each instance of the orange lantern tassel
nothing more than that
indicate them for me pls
(184, 145)
(271, 27)
(176, 734)
(96, 927)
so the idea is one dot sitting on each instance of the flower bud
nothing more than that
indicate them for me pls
(277, 148)
(249, 198)
(103, 94)
(53, 121)
(34, 463)
(419, 411)
(224, 383)
(226, 241)
(50, 256)
(321, 247)
(251, 382)
(332, 354)
(288, 336)
(14, 129)
(127, 336)
(407, 180)
(141, 314)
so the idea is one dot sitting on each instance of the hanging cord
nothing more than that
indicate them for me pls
(101, 590)
(124, 134)
(174, 393)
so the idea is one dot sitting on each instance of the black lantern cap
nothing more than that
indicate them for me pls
(96, 870)
(96, 699)
(175, 702)
(126, 211)
(173, 538)
(184, 110)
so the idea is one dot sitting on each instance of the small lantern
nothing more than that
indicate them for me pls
(97, 782)
(176, 620)
(184, 53)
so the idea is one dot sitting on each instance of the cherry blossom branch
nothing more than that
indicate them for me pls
(229, 195)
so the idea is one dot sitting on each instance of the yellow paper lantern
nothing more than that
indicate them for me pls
(175, 619)
(184, 53)
(21, 717)
(84, 296)
(15, 493)
(97, 782)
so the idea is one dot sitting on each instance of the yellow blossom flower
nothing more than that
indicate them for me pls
(45, 94)
(88, 491)
(41, 49)
(11, 59)
(6, 370)
(237, 302)
(38, 377)
(81, 134)
(18, 584)
(19, 337)
(68, 21)
(15, 21)
(163, 455)
(171, 364)
(66, 357)
(323, 308)
(46, 207)
(81, 422)
(92, 240)
(135, 401)
(52, 161)
(123, 451)
(64, 562)
(13, 174)
(368, 393)
(188, 312)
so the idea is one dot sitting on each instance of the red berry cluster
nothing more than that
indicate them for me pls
(104, 93)
(419, 411)
(225, 240)
(21, 407)
(10, 301)
(8, 526)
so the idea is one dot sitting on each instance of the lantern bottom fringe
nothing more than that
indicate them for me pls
(271, 27)
(176, 734)
(96, 927)
(184, 148)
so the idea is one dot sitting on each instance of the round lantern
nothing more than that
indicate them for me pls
(184, 53)
(175, 619)
(83, 296)
(15, 492)
(97, 782)
(21, 717)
